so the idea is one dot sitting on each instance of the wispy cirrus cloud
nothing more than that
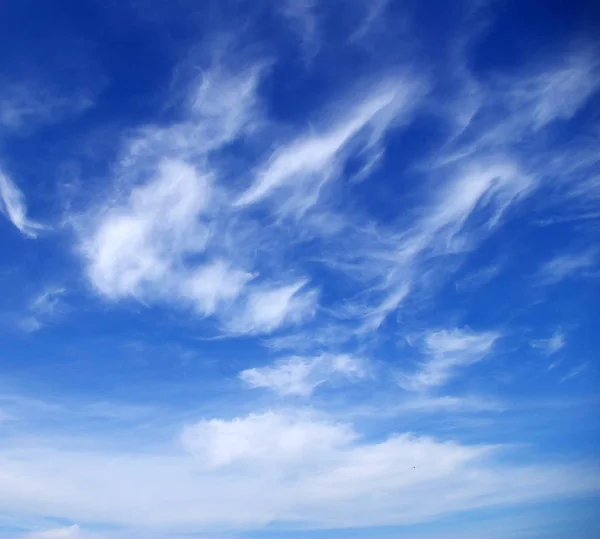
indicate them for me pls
(459, 217)
(453, 404)
(478, 194)
(175, 211)
(447, 352)
(300, 169)
(558, 91)
(172, 233)
(552, 344)
(42, 309)
(139, 250)
(24, 105)
(576, 371)
(478, 278)
(371, 19)
(499, 115)
(567, 266)
(303, 18)
(14, 207)
(301, 376)
(228, 213)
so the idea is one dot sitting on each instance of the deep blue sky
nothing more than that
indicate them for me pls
(299, 269)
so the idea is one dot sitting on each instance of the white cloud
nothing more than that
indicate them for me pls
(568, 266)
(13, 206)
(136, 247)
(30, 103)
(478, 278)
(303, 18)
(221, 106)
(450, 225)
(175, 230)
(559, 91)
(576, 371)
(141, 249)
(273, 468)
(301, 376)
(448, 403)
(302, 167)
(266, 309)
(214, 284)
(554, 364)
(463, 212)
(551, 345)
(371, 20)
(166, 198)
(170, 235)
(514, 109)
(447, 351)
(270, 438)
(43, 308)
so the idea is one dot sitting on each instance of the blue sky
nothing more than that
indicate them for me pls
(299, 269)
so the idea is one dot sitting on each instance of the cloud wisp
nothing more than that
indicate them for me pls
(301, 376)
(42, 309)
(551, 345)
(567, 266)
(14, 207)
(301, 168)
(447, 351)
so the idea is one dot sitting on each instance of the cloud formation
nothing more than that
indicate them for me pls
(567, 266)
(552, 344)
(364, 201)
(24, 105)
(447, 351)
(301, 168)
(274, 467)
(301, 376)
(42, 308)
(14, 207)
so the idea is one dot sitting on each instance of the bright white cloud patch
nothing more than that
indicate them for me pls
(270, 438)
(13, 206)
(177, 210)
(300, 376)
(214, 284)
(269, 308)
(135, 248)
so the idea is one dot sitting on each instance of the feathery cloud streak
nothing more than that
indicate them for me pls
(14, 207)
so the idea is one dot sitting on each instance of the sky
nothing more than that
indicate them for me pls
(299, 269)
